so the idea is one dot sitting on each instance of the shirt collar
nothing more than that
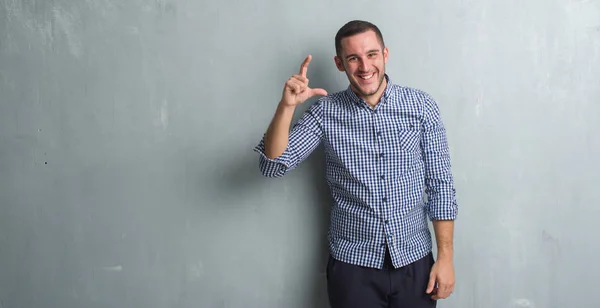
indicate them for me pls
(384, 97)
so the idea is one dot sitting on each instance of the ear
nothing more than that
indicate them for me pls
(385, 55)
(338, 63)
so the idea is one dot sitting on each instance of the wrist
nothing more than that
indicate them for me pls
(284, 110)
(283, 105)
(445, 254)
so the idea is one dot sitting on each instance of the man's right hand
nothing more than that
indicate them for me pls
(296, 90)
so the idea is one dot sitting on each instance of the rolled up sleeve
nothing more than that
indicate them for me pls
(305, 136)
(439, 183)
(273, 167)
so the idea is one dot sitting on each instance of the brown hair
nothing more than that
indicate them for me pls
(355, 27)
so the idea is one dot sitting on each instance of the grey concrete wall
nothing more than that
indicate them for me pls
(127, 177)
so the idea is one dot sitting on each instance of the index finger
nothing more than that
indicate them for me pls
(304, 66)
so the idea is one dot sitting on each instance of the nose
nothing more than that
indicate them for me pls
(363, 65)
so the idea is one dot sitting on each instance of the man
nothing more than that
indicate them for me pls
(385, 145)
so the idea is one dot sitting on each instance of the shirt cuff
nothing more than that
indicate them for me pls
(273, 167)
(444, 209)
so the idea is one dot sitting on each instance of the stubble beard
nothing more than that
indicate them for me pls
(367, 94)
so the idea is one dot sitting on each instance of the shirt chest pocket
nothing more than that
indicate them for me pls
(409, 135)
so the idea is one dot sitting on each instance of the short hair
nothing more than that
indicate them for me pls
(355, 27)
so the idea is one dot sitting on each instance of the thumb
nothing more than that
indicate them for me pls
(431, 283)
(319, 91)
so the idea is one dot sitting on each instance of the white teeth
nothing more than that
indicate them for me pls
(367, 77)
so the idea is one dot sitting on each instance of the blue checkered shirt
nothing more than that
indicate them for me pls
(380, 162)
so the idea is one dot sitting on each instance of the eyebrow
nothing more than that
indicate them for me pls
(356, 55)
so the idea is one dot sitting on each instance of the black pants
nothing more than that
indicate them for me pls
(351, 286)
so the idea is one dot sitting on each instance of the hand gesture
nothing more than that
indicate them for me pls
(296, 89)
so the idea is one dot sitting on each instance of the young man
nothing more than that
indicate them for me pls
(385, 145)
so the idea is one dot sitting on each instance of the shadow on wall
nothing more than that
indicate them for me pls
(316, 165)
(240, 179)
(241, 182)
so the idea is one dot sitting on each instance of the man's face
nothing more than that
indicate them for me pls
(363, 60)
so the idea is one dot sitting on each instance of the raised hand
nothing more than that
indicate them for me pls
(296, 90)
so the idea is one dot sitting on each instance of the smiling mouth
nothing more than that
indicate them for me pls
(366, 77)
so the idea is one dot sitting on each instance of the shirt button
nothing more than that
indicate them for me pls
(382, 176)
(381, 155)
(384, 199)
(387, 221)
(378, 133)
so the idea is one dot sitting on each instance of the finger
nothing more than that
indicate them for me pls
(431, 284)
(300, 85)
(440, 294)
(319, 91)
(444, 291)
(449, 289)
(291, 87)
(296, 86)
(300, 78)
(304, 66)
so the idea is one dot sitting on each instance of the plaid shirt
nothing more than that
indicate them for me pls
(379, 163)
